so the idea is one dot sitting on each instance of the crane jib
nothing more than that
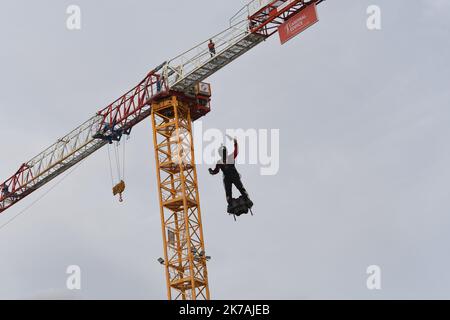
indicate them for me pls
(252, 25)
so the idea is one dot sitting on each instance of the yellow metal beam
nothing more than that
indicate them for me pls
(184, 251)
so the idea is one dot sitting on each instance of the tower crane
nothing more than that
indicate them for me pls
(173, 95)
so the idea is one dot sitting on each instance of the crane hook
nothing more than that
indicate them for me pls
(119, 189)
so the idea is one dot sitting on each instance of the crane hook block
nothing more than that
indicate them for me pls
(119, 189)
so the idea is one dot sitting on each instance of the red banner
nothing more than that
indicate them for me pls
(298, 23)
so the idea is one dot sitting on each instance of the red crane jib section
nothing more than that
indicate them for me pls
(134, 106)
(125, 112)
(267, 19)
(121, 115)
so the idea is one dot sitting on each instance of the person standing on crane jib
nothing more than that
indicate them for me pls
(212, 48)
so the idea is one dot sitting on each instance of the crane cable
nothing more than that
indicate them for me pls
(116, 154)
(123, 157)
(118, 185)
(110, 167)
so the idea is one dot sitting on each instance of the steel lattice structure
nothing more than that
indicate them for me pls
(184, 248)
(170, 86)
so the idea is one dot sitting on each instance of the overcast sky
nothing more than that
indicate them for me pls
(364, 173)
